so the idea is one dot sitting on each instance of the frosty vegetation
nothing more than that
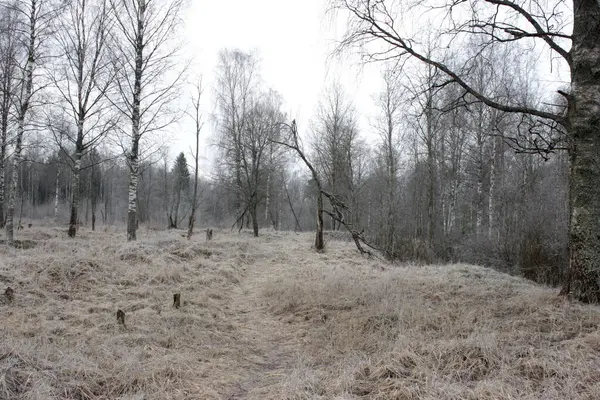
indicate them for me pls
(469, 158)
(266, 318)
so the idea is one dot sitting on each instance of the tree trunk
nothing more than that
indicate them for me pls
(492, 194)
(132, 198)
(135, 124)
(177, 202)
(431, 192)
(319, 243)
(22, 114)
(195, 195)
(93, 213)
(584, 113)
(4, 127)
(76, 195)
(14, 181)
(254, 216)
(56, 193)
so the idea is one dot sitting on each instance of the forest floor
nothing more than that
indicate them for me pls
(269, 318)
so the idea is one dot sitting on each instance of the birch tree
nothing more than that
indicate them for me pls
(83, 78)
(335, 133)
(34, 19)
(390, 103)
(197, 117)
(8, 69)
(568, 30)
(147, 77)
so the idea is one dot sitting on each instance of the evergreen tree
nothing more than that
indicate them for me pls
(181, 184)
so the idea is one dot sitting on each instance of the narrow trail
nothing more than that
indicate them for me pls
(268, 345)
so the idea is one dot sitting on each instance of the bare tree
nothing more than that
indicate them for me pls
(145, 56)
(237, 85)
(390, 103)
(292, 142)
(34, 19)
(505, 22)
(197, 117)
(83, 76)
(334, 138)
(247, 123)
(8, 69)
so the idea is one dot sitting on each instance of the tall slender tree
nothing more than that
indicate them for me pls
(8, 69)
(83, 78)
(147, 77)
(34, 25)
(197, 117)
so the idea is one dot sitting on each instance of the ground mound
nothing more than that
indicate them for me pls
(269, 318)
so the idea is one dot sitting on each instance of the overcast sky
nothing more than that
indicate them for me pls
(293, 39)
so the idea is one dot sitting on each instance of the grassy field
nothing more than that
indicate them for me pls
(269, 318)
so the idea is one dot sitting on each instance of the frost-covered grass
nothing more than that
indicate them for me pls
(269, 318)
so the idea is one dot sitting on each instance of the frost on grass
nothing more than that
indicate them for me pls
(269, 318)
(443, 332)
(60, 338)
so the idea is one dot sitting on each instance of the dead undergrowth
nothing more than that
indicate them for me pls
(269, 318)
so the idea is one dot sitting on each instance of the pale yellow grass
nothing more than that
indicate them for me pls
(269, 318)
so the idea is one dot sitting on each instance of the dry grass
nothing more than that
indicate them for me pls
(270, 319)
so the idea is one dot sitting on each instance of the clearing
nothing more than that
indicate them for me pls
(269, 318)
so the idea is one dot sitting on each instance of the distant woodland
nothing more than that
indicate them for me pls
(467, 158)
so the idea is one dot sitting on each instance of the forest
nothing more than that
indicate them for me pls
(429, 234)
(437, 174)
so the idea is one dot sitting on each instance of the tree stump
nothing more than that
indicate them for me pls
(209, 234)
(177, 300)
(120, 317)
(10, 294)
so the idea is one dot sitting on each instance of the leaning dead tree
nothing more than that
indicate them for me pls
(293, 143)
(338, 207)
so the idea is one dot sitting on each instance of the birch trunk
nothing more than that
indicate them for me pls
(431, 214)
(14, 182)
(492, 194)
(4, 127)
(135, 124)
(76, 195)
(26, 93)
(195, 195)
(6, 100)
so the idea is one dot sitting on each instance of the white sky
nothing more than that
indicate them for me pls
(293, 39)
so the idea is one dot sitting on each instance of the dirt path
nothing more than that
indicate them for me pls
(267, 345)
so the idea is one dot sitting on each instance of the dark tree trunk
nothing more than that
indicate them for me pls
(584, 126)
(319, 243)
(254, 216)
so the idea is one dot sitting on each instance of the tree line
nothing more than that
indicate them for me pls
(471, 160)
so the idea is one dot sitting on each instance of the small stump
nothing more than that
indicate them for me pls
(121, 317)
(177, 300)
(10, 294)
